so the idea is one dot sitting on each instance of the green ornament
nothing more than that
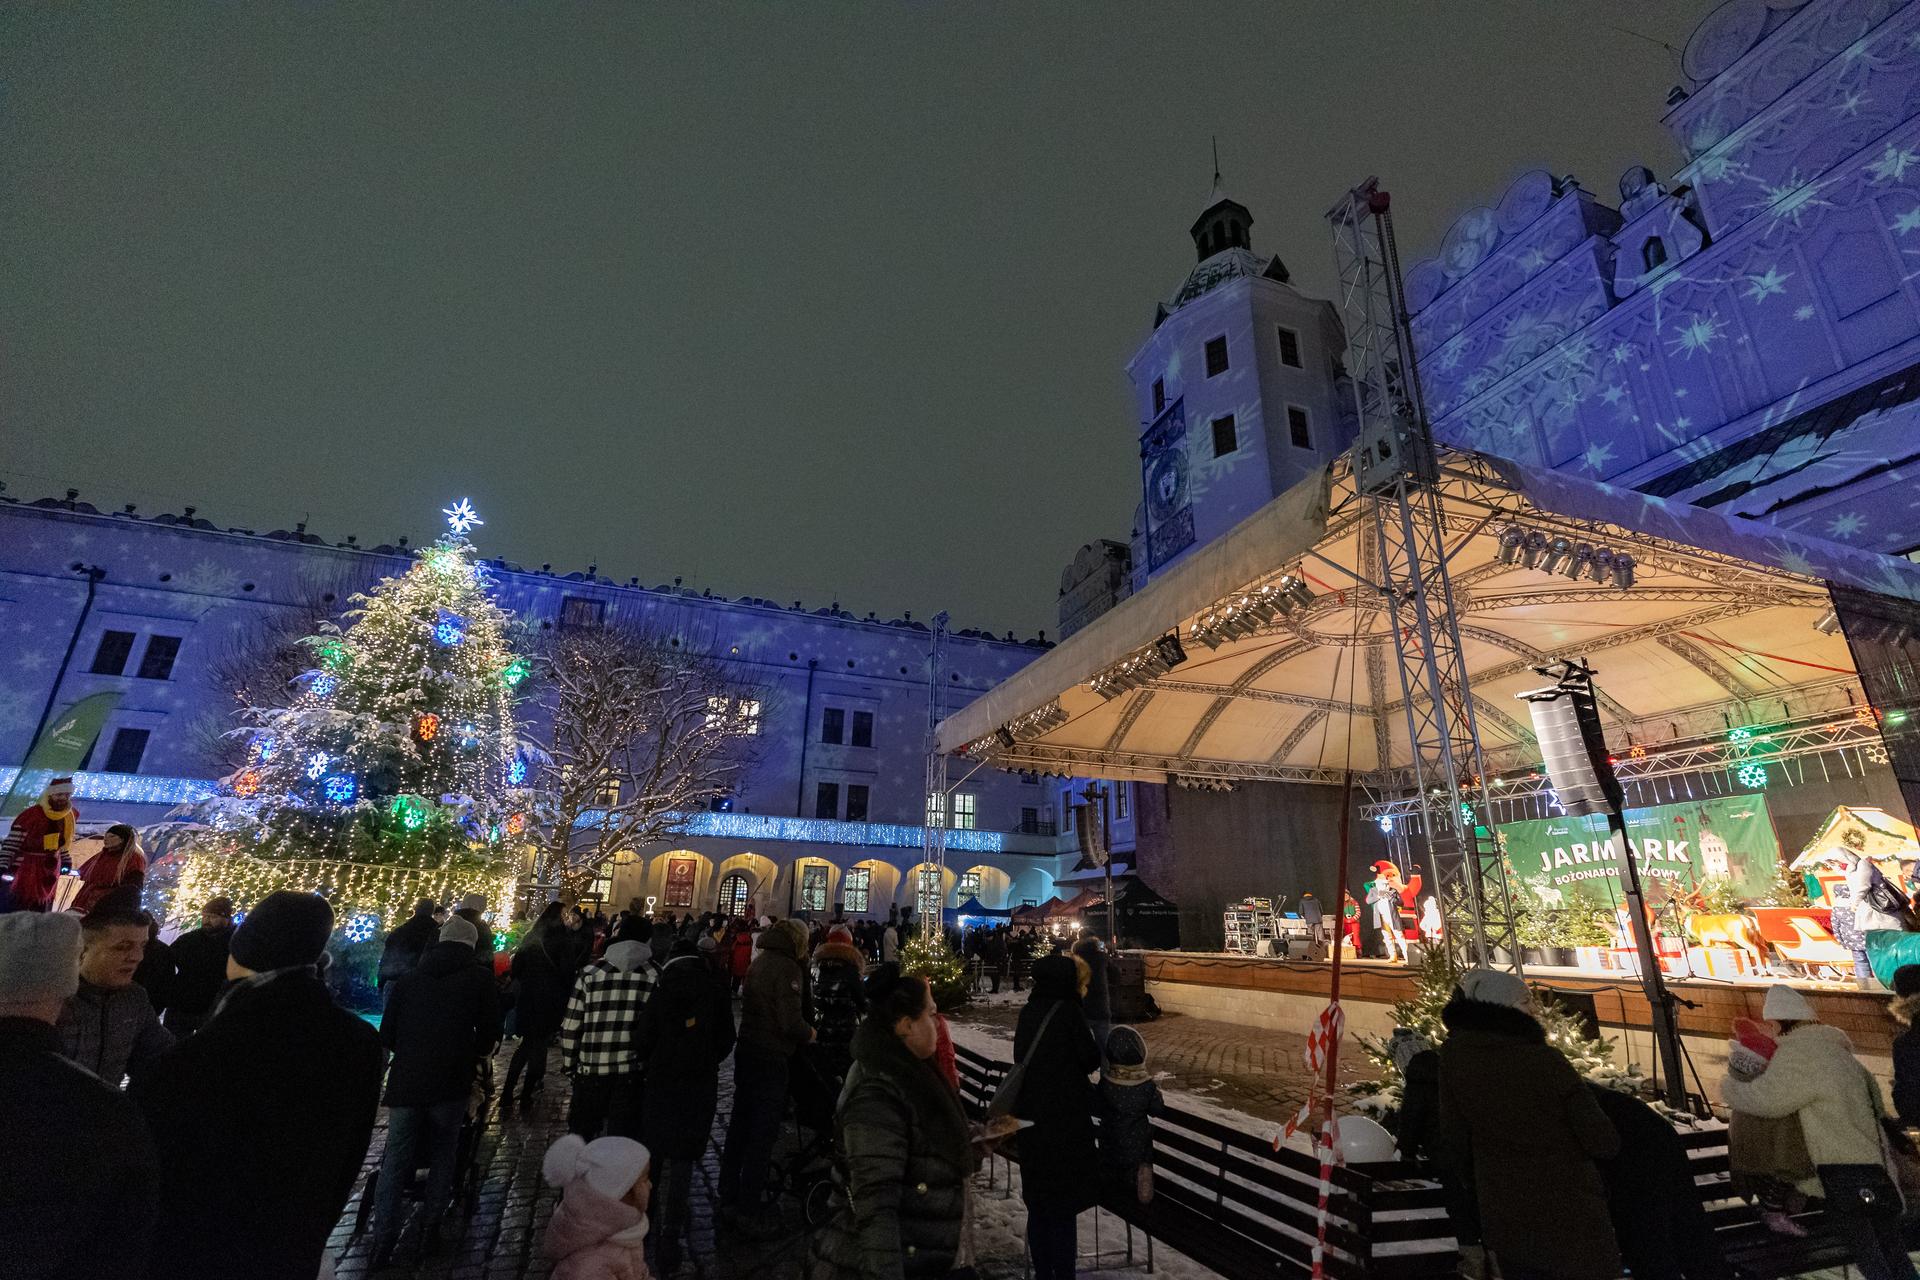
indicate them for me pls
(410, 812)
(333, 655)
(515, 672)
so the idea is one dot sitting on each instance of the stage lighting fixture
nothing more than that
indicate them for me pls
(1170, 649)
(1297, 588)
(1533, 548)
(1622, 571)
(1005, 734)
(1556, 558)
(1510, 539)
(1600, 568)
(1828, 623)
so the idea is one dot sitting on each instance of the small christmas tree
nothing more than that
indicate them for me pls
(932, 959)
(398, 771)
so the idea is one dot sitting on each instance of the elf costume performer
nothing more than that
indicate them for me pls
(36, 848)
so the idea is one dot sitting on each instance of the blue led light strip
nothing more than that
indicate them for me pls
(121, 788)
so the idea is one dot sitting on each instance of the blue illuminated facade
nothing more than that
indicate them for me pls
(1744, 335)
(835, 797)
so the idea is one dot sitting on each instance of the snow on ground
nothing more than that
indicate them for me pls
(1000, 1225)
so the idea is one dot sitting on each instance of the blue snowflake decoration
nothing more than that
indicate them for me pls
(324, 684)
(469, 738)
(450, 630)
(517, 771)
(340, 788)
(263, 748)
(1752, 775)
(360, 928)
(1386, 824)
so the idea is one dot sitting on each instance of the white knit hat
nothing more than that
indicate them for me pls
(459, 929)
(1784, 1004)
(39, 956)
(474, 902)
(1496, 986)
(609, 1165)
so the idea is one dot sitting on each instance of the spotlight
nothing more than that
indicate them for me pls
(1602, 566)
(1557, 552)
(1622, 571)
(1582, 561)
(1828, 623)
(1005, 734)
(1171, 652)
(1532, 549)
(1298, 589)
(1510, 539)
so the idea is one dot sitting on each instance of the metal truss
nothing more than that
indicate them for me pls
(1084, 761)
(1394, 468)
(934, 841)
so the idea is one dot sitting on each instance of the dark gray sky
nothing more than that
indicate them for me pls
(814, 300)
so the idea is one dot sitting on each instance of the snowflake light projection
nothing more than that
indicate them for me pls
(461, 517)
(360, 928)
(317, 765)
(1752, 775)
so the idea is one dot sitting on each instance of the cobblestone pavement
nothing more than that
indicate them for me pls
(1250, 1069)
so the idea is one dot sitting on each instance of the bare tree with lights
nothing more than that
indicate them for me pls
(641, 733)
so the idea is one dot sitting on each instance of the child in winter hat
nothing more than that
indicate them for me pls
(1767, 1155)
(599, 1229)
(1128, 1098)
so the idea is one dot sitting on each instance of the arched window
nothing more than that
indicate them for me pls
(1653, 254)
(733, 895)
(927, 893)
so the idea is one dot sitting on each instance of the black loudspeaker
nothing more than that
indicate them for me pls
(1568, 727)
(1127, 990)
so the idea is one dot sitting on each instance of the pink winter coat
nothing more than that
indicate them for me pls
(594, 1238)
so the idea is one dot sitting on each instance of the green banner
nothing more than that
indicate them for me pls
(62, 747)
(1571, 861)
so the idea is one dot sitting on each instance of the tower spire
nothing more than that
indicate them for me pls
(1216, 165)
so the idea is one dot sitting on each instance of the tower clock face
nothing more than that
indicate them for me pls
(1167, 484)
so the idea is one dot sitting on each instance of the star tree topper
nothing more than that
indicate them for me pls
(461, 517)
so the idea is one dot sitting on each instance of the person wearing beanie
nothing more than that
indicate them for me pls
(1767, 1157)
(440, 1021)
(1906, 1046)
(599, 1034)
(38, 847)
(1522, 1132)
(773, 1028)
(109, 1026)
(262, 1117)
(473, 909)
(599, 1229)
(1128, 1101)
(200, 967)
(686, 1032)
(1814, 1078)
(78, 1179)
(839, 999)
(404, 946)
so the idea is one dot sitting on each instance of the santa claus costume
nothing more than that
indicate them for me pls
(1383, 895)
(35, 849)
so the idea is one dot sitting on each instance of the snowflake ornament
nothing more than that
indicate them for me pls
(461, 517)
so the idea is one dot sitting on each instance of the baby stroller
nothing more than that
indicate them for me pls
(466, 1162)
(817, 1076)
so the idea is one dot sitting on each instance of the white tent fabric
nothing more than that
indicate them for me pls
(1722, 611)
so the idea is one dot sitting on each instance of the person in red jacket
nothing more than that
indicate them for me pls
(118, 865)
(36, 848)
(740, 954)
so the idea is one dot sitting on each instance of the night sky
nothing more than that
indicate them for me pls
(810, 301)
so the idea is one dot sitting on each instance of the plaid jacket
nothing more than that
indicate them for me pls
(599, 1029)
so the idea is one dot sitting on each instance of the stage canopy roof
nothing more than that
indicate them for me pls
(1721, 611)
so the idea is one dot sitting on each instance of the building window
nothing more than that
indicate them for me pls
(826, 800)
(733, 896)
(856, 802)
(926, 898)
(110, 659)
(813, 887)
(963, 812)
(128, 746)
(1298, 429)
(853, 889)
(1121, 806)
(1226, 437)
(969, 886)
(833, 725)
(609, 793)
(579, 611)
(936, 810)
(1029, 821)
(862, 729)
(1289, 348)
(1159, 396)
(157, 662)
(1216, 356)
(744, 710)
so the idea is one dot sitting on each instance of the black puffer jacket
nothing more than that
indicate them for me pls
(686, 1032)
(839, 1000)
(1057, 1168)
(906, 1148)
(542, 980)
(440, 1020)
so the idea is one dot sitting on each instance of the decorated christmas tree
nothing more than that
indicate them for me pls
(931, 958)
(397, 773)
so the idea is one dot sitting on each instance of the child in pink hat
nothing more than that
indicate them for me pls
(599, 1229)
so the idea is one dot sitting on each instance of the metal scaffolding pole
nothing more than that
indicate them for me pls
(1395, 471)
(934, 841)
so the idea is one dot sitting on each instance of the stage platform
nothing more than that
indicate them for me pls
(1287, 995)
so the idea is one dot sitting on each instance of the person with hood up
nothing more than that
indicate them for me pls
(1096, 1000)
(1129, 1099)
(599, 1033)
(1906, 1046)
(405, 945)
(542, 979)
(263, 1117)
(200, 967)
(1058, 1166)
(109, 1027)
(598, 1231)
(839, 998)
(773, 1027)
(118, 865)
(473, 909)
(685, 1034)
(78, 1179)
(905, 1146)
(1815, 1077)
(1657, 1217)
(440, 1020)
(1521, 1130)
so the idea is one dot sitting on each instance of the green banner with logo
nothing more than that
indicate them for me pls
(61, 748)
(1575, 861)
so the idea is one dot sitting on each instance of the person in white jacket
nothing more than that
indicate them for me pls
(1815, 1077)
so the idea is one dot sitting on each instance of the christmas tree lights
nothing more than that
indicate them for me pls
(358, 790)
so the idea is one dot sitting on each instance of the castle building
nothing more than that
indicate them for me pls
(156, 613)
